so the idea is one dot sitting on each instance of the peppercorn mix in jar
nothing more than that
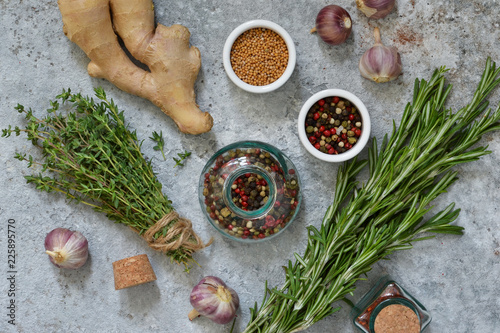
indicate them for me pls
(250, 191)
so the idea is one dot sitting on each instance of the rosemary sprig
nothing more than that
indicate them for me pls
(367, 223)
(92, 156)
(160, 142)
(182, 156)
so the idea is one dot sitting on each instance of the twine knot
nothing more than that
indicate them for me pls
(180, 234)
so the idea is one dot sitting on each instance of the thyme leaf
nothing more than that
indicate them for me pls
(182, 156)
(160, 142)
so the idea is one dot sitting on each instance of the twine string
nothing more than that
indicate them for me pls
(180, 234)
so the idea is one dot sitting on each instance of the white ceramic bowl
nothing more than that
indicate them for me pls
(365, 133)
(259, 24)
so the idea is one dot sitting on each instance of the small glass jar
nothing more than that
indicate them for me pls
(384, 294)
(250, 191)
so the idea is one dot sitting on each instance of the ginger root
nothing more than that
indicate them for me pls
(173, 65)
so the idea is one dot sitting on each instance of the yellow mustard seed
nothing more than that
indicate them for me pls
(259, 56)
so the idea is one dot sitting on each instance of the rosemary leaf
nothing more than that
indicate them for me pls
(366, 224)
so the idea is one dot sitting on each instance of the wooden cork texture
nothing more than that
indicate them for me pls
(133, 271)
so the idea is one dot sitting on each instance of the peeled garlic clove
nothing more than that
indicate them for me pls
(66, 248)
(380, 63)
(213, 299)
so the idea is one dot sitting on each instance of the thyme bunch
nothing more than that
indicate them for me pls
(91, 156)
(366, 223)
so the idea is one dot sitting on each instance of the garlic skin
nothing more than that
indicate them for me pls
(375, 9)
(66, 248)
(333, 24)
(380, 63)
(213, 299)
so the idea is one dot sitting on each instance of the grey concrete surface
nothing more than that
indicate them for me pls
(456, 278)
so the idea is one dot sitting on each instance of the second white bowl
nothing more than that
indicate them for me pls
(363, 139)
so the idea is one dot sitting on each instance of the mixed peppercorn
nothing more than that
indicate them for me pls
(333, 125)
(249, 193)
(259, 56)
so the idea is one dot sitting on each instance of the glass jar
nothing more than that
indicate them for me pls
(376, 304)
(250, 191)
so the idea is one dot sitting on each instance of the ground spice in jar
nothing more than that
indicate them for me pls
(333, 125)
(259, 56)
(388, 308)
(391, 291)
(250, 192)
(397, 318)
